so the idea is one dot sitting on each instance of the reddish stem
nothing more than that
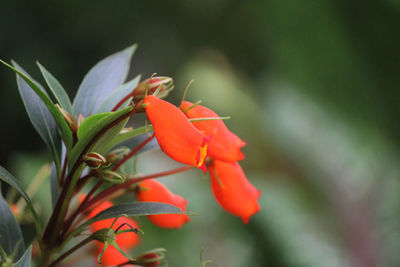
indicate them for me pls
(73, 216)
(115, 188)
(123, 100)
(133, 152)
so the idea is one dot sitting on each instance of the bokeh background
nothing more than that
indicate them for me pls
(312, 86)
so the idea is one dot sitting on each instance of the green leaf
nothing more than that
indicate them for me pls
(57, 90)
(117, 95)
(87, 125)
(40, 116)
(96, 128)
(14, 183)
(131, 209)
(10, 233)
(23, 80)
(101, 80)
(25, 260)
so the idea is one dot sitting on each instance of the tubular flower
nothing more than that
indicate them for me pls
(152, 190)
(177, 137)
(224, 145)
(232, 190)
(126, 240)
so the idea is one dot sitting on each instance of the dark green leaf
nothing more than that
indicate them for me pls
(101, 80)
(22, 79)
(39, 115)
(117, 95)
(10, 234)
(25, 260)
(14, 183)
(57, 90)
(134, 209)
(96, 128)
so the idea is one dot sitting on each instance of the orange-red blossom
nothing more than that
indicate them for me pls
(224, 145)
(229, 184)
(232, 190)
(175, 134)
(152, 190)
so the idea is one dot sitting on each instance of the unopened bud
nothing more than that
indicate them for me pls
(151, 258)
(117, 154)
(111, 176)
(160, 84)
(95, 160)
(68, 118)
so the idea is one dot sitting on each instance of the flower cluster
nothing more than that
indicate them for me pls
(205, 140)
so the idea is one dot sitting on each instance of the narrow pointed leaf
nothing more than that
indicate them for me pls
(25, 260)
(131, 209)
(10, 233)
(101, 80)
(24, 82)
(117, 95)
(57, 90)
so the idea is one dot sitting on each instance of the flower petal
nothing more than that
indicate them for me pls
(177, 137)
(224, 145)
(232, 189)
(152, 190)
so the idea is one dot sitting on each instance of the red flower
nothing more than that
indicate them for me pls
(152, 190)
(177, 137)
(224, 145)
(126, 240)
(232, 189)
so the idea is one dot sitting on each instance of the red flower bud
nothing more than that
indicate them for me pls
(152, 190)
(224, 145)
(175, 134)
(232, 189)
(126, 240)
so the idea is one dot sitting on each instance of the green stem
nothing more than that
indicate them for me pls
(71, 250)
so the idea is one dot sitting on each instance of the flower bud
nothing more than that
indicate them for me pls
(149, 260)
(68, 118)
(95, 160)
(113, 177)
(151, 85)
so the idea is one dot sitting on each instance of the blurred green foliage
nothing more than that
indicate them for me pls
(311, 86)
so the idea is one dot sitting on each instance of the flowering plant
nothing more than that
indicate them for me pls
(91, 142)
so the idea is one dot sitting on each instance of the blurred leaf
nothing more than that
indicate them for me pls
(10, 233)
(299, 225)
(25, 260)
(57, 90)
(113, 99)
(96, 127)
(101, 80)
(55, 193)
(14, 183)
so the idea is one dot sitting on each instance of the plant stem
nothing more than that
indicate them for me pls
(55, 223)
(73, 216)
(133, 152)
(115, 188)
(71, 250)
